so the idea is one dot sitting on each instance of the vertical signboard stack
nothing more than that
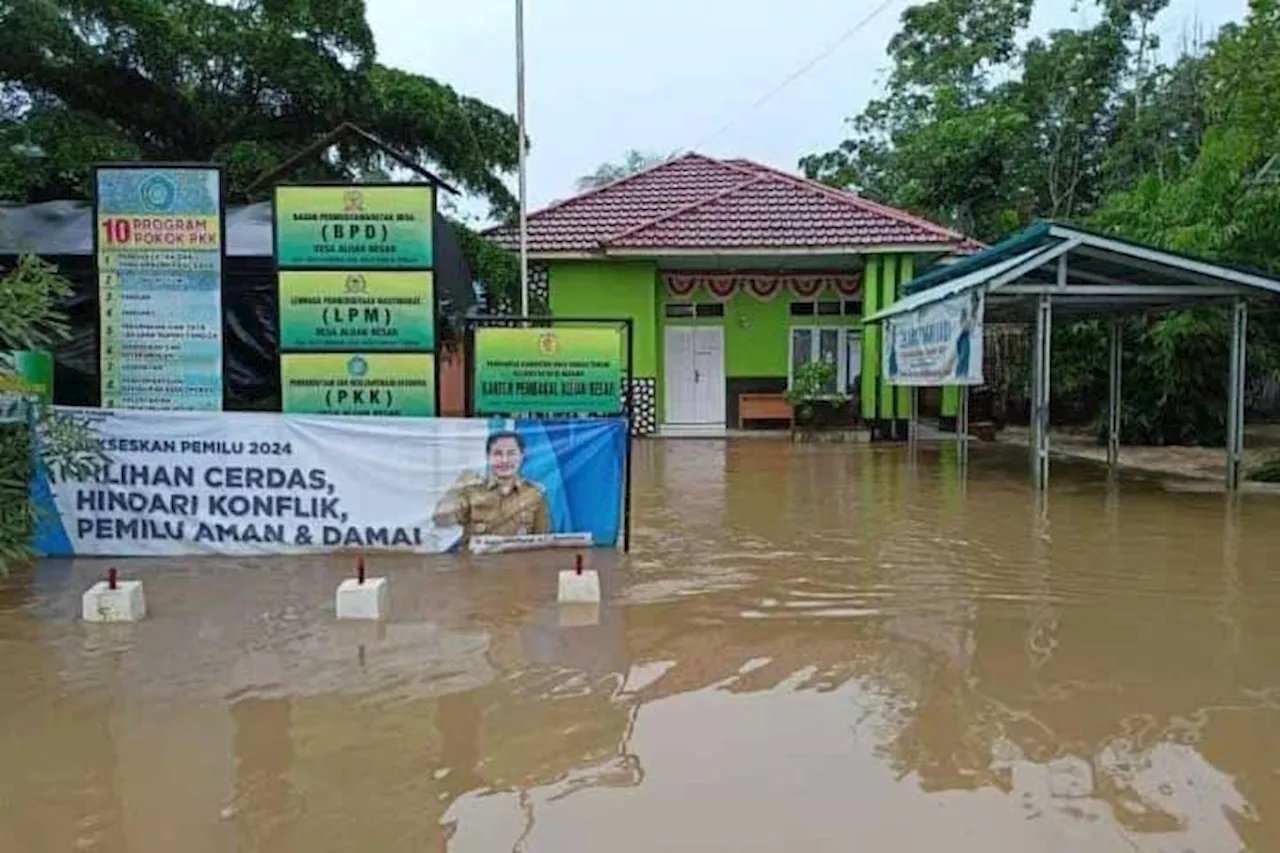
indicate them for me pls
(159, 246)
(357, 299)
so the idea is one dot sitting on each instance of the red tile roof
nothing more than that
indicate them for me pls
(696, 203)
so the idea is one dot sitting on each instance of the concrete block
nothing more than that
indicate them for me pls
(356, 600)
(125, 603)
(579, 587)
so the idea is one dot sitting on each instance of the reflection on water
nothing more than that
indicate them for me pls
(825, 648)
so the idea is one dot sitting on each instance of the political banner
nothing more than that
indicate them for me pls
(355, 227)
(158, 233)
(249, 484)
(555, 371)
(940, 344)
(343, 311)
(358, 384)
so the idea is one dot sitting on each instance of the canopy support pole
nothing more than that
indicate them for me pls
(962, 427)
(1040, 387)
(913, 432)
(1114, 399)
(913, 425)
(1236, 394)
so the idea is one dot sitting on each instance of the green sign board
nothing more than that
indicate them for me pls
(358, 384)
(353, 311)
(549, 371)
(33, 370)
(355, 227)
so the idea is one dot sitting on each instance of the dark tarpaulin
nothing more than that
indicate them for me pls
(61, 232)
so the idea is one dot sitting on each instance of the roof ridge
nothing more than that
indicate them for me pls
(556, 205)
(751, 167)
(855, 200)
(680, 211)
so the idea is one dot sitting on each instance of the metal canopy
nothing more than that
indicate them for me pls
(1104, 276)
(1055, 270)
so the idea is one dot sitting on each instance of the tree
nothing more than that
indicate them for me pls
(979, 133)
(1218, 203)
(1081, 125)
(606, 173)
(30, 298)
(940, 140)
(245, 83)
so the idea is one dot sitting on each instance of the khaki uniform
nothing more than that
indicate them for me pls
(481, 507)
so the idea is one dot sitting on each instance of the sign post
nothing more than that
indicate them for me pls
(337, 311)
(940, 344)
(553, 367)
(551, 371)
(358, 302)
(159, 247)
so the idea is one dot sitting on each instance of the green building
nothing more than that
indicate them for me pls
(735, 275)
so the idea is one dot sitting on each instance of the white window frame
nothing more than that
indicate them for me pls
(846, 335)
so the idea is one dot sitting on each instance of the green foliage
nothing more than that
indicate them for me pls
(1267, 472)
(813, 388)
(246, 83)
(17, 511)
(982, 133)
(30, 296)
(495, 268)
(68, 449)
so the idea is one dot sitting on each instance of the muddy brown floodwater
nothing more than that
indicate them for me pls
(812, 648)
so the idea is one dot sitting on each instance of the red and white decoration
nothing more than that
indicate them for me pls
(763, 288)
(806, 287)
(762, 285)
(681, 286)
(721, 287)
(847, 286)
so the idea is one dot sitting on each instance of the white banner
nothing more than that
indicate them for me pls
(254, 484)
(940, 344)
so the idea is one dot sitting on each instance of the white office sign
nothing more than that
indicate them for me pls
(940, 344)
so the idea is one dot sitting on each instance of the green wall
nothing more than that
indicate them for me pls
(756, 336)
(611, 289)
(756, 331)
(884, 283)
(950, 401)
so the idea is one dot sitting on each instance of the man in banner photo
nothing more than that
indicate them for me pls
(500, 504)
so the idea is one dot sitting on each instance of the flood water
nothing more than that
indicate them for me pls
(818, 648)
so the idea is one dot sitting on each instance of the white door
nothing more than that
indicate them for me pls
(708, 364)
(693, 375)
(678, 375)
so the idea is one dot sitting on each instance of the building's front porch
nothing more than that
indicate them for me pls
(737, 278)
(730, 343)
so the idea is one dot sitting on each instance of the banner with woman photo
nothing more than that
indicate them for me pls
(939, 344)
(246, 484)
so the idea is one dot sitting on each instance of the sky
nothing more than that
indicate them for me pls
(605, 76)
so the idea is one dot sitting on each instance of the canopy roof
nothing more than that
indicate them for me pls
(1087, 273)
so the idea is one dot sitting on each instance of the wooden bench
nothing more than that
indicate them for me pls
(764, 407)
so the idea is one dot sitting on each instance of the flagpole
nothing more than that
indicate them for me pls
(520, 122)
